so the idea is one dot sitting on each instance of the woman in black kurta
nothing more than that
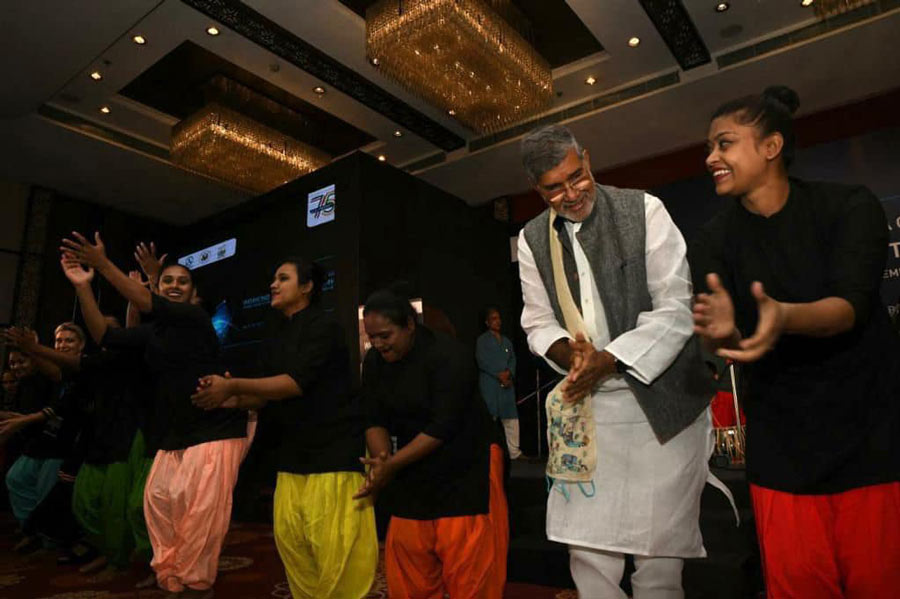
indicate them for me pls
(792, 271)
(326, 540)
(443, 485)
(187, 499)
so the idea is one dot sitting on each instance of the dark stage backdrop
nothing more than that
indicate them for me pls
(387, 226)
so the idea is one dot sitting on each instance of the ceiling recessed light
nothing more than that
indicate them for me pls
(96, 76)
(806, 2)
(398, 133)
(722, 6)
(104, 109)
(634, 42)
(319, 90)
(590, 80)
(382, 158)
(211, 30)
(140, 40)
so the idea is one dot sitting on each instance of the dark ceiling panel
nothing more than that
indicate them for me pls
(264, 32)
(555, 30)
(179, 85)
(677, 29)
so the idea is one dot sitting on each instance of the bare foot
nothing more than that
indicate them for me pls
(91, 567)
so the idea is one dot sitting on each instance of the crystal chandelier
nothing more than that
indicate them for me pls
(830, 8)
(461, 56)
(224, 144)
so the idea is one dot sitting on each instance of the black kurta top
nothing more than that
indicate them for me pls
(321, 430)
(111, 380)
(432, 390)
(823, 414)
(58, 434)
(180, 346)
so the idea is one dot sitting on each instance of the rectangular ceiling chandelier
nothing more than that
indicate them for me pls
(224, 144)
(460, 56)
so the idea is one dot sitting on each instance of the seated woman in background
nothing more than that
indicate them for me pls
(792, 271)
(443, 486)
(187, 499)
(326, 540)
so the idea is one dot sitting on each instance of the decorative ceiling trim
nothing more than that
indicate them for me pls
(806, 33)
(82, 125)
(677, 29)
(597, 103)
(279, 41)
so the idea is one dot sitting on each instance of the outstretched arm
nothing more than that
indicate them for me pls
(81, 280)
(94, 256)
(25, 340)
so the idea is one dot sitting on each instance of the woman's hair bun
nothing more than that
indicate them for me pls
(784, 96)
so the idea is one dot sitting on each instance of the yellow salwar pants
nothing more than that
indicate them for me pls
(326, 539)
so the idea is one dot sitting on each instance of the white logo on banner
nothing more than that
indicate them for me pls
(207, 256)
(320, 206)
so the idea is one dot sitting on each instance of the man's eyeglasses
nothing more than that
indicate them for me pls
(579, 182)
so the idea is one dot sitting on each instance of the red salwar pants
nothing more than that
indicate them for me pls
(840, 546)
(464, 556)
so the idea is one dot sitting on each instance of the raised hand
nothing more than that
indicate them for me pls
(714, 313)
(135, 275)
(769, 327)
(24, 339)
(73, 270)
(89, 254)
(149, 263)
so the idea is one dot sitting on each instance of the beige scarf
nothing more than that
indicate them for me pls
(570, 427)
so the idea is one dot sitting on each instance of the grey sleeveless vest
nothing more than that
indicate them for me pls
(614, 239)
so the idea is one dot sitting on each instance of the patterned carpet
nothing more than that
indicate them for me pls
(249, 569)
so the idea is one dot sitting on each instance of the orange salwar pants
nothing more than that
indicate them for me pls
(840, 546)
(187, 506)
(464, 556)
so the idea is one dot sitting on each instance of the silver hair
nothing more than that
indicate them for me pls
(544, 148)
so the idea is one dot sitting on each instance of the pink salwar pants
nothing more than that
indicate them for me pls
(187, 506)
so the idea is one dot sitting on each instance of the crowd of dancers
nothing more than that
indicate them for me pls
(133, 452)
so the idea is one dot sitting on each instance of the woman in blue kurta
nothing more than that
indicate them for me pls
(496, 373)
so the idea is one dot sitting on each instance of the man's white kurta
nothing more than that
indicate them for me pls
(646, 496)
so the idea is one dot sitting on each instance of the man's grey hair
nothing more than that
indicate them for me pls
(545, 147)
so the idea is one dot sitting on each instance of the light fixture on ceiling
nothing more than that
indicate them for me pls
(375, 61)
(212, 30)
(591, 80)
(451, 112)
(319, 90)
(722, 6)
(482, 66)
(96, 76)
(634, 42)
(398, 133)
(140, 40)
(382, 158)
(105, 109)
(225, 144)
(830, 8)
